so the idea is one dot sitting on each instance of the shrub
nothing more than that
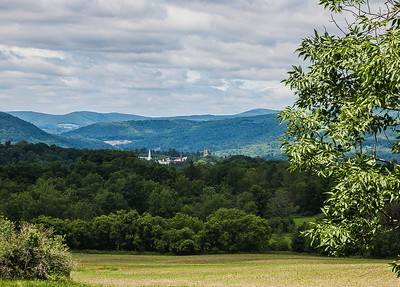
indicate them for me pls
(32, 252)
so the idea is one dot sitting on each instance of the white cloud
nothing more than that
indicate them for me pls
(151, 57)
(20, 52)
(192, 76)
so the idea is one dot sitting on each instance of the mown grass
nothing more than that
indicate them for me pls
(26, 283)
(240, 270)
(231, 271)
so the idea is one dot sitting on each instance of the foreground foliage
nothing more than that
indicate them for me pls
(346, 113)
(32, 252)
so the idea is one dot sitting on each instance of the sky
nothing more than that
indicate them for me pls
(151, 57)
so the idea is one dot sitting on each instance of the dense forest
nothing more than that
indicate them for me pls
(107, 199)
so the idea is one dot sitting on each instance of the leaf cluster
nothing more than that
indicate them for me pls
(346, 113)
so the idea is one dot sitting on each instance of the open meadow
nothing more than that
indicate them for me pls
(241, 270)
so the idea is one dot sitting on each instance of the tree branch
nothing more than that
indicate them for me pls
(387, 161)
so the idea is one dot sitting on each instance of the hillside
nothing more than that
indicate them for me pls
(251, 113)
(253, 135)
(57, 124)
(14, 130)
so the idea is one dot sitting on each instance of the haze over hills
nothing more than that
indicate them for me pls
(253, 133)
(57, 124)
(254, 136)
(15, 130)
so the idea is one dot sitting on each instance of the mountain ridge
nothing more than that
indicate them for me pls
(57, 124)
(252, 133)
(222, 136)
(14, 130)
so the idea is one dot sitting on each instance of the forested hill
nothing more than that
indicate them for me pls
(253, 133)
(90, 196)
(253, 136)
(57, 124)
(13, 129)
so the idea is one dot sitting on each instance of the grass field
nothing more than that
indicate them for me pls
(300, 220)
(26, 283)
(242, 270)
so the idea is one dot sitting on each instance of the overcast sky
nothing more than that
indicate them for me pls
(151, 57)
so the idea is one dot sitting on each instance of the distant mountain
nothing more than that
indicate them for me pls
(15, 130)
(57, 124)
(249, 135)
(252, 133)
(251, 113)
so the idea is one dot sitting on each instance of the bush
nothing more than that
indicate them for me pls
(32, 252)
(279, 243)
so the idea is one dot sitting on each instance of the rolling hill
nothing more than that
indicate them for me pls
(57, 124)
(15, 130)
(252, 133)
(249, 135)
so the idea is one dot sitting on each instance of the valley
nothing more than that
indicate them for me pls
(254, 133)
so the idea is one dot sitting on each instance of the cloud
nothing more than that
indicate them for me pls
(151, 57)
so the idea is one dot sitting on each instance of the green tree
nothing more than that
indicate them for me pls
(163, 201)
(232, 230)
(19, 206)
(48, 200)
(103, 234)
(148, 233)
(299, 241)
(182, 241)
(344, 123)
(110, 202)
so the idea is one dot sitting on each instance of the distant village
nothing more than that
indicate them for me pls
(167, 160)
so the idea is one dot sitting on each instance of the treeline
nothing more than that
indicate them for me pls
(37, 179)
(104, 199)
(226, 230)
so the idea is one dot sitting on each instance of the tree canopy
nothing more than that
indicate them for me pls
(345, 122)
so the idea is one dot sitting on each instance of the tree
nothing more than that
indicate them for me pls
(344, 123)
(148, 231)
(232, 230)
(164, 202)
(48, 200)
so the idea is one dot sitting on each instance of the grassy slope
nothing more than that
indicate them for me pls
(301, 219)
(231, 270)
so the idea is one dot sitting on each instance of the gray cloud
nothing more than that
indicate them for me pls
(151, 57)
